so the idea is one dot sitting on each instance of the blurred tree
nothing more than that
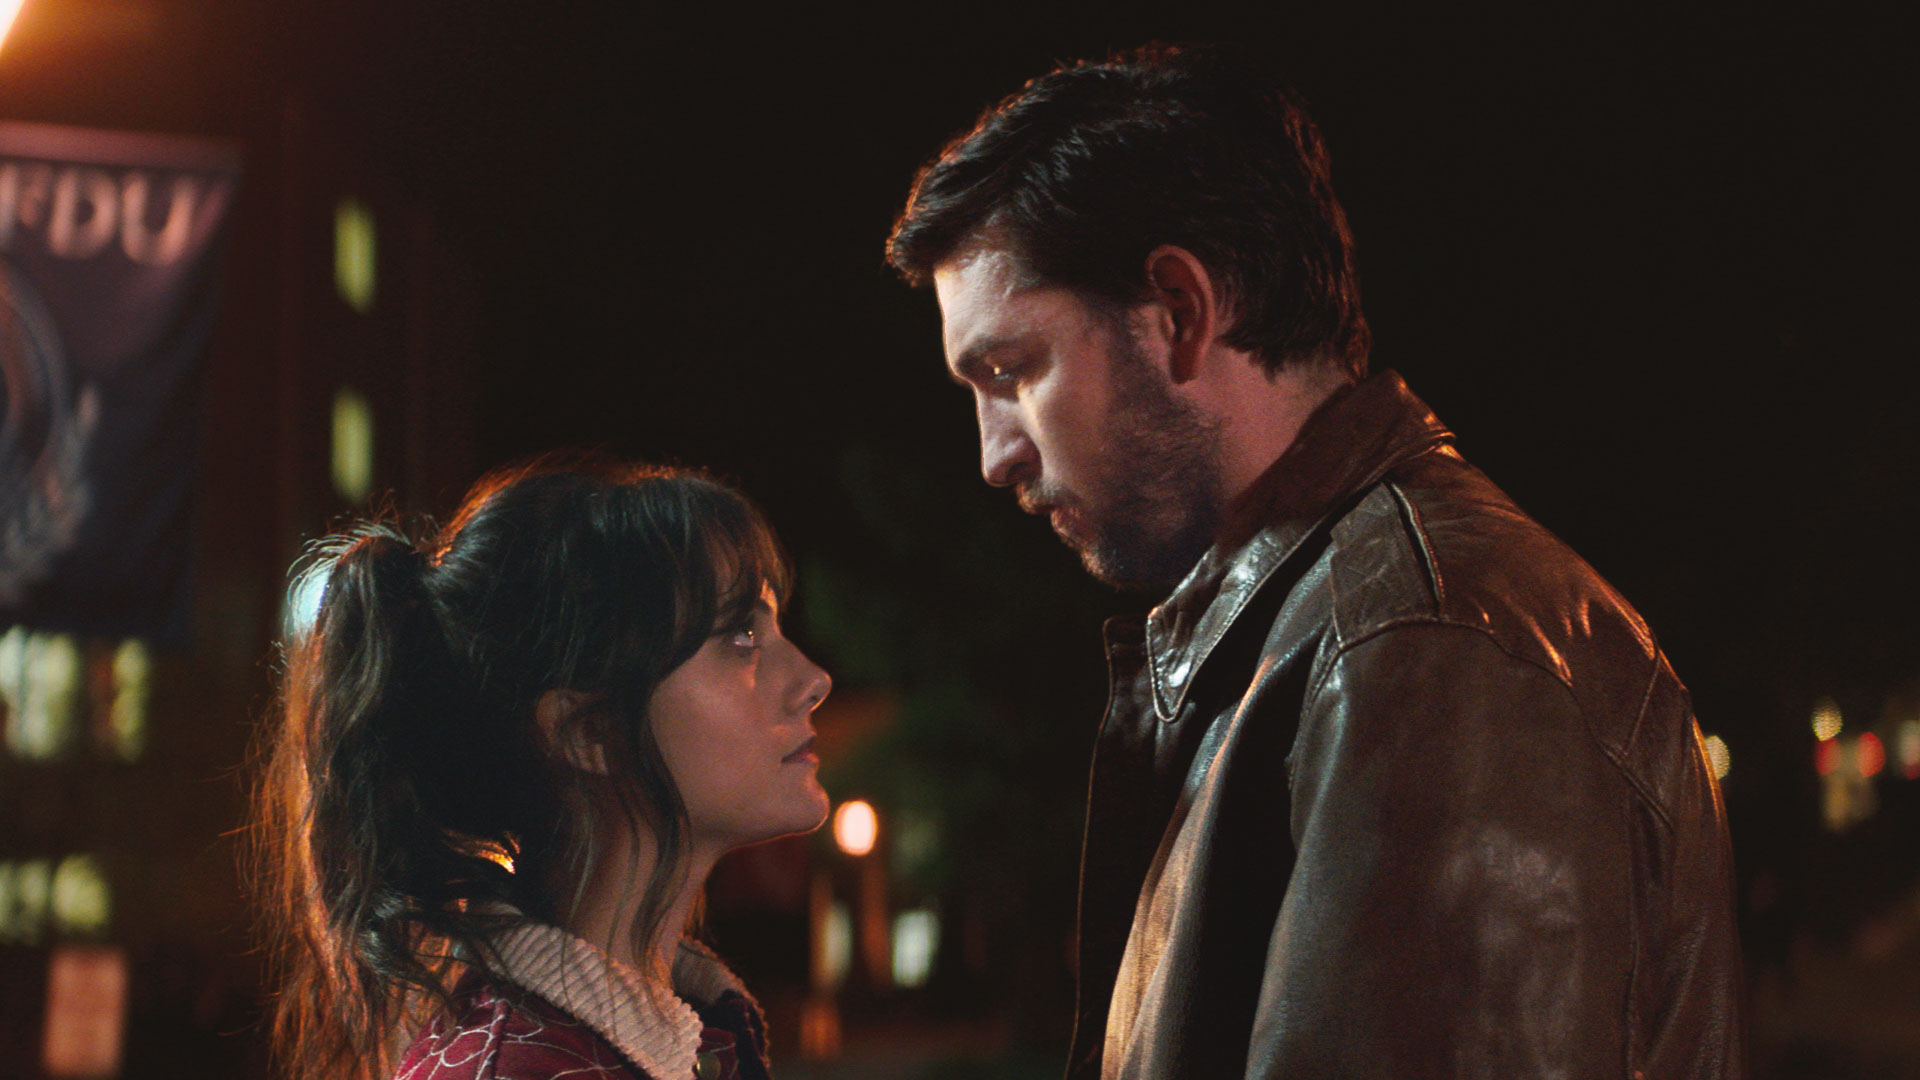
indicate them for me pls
(988, 634)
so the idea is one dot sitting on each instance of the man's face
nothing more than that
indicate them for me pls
(1080, 419)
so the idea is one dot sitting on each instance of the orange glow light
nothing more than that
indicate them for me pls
(9, 10)
(86, 1011)
(856, 827)
(1826, 719)
(1872, 755)
(1826, 754)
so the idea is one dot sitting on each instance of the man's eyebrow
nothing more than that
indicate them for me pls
(971, 366)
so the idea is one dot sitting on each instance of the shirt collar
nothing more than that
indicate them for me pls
(658, 1033)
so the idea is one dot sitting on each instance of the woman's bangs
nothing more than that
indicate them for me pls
(747, 561)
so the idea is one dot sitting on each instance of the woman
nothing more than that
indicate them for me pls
(509, 757)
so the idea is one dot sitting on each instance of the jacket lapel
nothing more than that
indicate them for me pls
(1347, 446)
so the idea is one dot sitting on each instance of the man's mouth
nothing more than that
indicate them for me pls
(802, 754)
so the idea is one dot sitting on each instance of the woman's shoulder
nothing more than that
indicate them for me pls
(498, 1031)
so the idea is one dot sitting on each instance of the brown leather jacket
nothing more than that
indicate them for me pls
(1393, 785)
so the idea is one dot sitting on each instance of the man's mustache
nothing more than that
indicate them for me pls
(1038, 500)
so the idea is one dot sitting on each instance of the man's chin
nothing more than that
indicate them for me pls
(1114, 569)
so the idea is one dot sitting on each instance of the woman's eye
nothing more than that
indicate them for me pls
(745, 639)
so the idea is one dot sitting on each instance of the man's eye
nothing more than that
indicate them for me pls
(1001, 374)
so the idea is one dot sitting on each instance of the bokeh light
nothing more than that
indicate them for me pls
(1826, 719)
(856, 827)
(1826, 757)
(1719, 756)
(1870, 755)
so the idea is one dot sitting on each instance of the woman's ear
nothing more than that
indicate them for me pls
(566, 729)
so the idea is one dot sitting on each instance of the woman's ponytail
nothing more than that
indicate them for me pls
(409, 809)
(349, 835)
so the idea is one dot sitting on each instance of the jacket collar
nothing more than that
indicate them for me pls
(1346, 446)
(659, 1034)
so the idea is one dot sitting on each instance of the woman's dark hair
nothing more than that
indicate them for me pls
(409, 795)
(1090, 167)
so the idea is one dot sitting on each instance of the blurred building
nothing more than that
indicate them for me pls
(332, 375)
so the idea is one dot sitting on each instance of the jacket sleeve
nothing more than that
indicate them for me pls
(1461, 900)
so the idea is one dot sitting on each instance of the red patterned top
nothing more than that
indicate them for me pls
(501, 1032)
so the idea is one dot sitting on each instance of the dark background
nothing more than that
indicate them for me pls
(1654, 269)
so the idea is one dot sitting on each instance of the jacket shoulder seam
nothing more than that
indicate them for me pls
(1415, 525)
(1614, 757)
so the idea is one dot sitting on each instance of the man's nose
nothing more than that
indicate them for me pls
(1007, 456)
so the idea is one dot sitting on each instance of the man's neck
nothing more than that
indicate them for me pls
(1262, 419)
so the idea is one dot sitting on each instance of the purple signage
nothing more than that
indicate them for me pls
(107, 250)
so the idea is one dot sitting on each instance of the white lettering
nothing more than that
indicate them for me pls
(68, 235)
(80, 210)
(23, 197)
(144, 245)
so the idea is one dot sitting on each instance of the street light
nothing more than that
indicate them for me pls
(9, 9)
(856, 827)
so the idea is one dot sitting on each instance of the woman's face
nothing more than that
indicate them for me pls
(734, 725)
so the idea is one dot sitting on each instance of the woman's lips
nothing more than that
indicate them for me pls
(802, 754)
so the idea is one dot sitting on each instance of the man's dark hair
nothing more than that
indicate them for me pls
(1090, 167)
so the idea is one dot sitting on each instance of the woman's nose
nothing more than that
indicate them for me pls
(815, 684)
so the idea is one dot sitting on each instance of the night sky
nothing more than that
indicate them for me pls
(1653, 271)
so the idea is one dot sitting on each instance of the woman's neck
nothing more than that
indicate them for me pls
(608, 907)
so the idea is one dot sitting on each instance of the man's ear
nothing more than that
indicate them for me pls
(566, 729)
(1192, 307)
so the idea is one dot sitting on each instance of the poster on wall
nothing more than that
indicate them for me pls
(108, 251)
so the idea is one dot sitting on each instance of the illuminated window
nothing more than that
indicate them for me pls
(25, 895)
(836, 945)
(354, 251)
(41, 686)
(352, 446)
(80, 899)
(916, 939)
(86, 1011)
(125, 729)
(71, 899)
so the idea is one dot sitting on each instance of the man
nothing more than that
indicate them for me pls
(1391, 784)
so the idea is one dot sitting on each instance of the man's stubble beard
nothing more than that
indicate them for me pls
(1158, 503)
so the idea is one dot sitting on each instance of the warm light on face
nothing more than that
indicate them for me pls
(856, 827)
